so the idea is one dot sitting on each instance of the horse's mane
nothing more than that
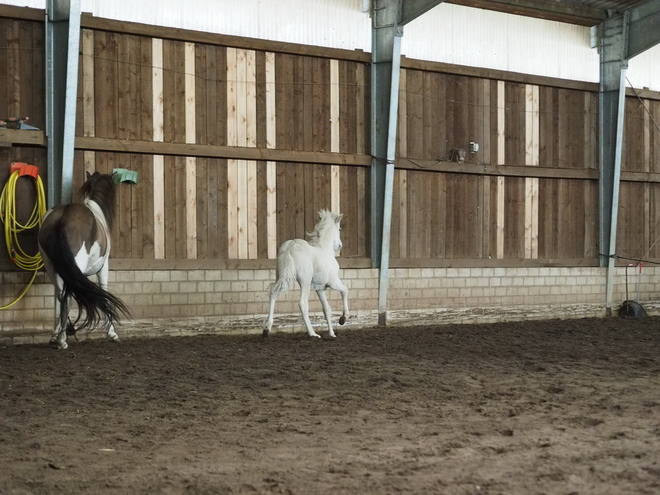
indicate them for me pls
(328, 219)
(100, 188)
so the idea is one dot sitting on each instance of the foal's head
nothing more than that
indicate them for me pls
(100, 188)
(326, 231)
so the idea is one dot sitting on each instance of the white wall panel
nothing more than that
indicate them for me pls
(495, 40)
(331, 23)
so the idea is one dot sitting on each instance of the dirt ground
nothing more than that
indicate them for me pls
(552, 407)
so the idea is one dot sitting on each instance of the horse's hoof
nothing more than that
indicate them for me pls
(265, 334)
(342, 319)
(116, 339)
(315, 336)
(63, 346)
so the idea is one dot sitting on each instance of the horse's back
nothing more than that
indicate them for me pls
(78, 223)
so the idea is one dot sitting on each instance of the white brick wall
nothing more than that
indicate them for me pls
(181, 302)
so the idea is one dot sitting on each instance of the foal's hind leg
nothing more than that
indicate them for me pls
(271, 311)
(326, 311)
(103, 282)
(304, 309)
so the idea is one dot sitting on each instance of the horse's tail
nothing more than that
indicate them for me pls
(93, 300)
(286, 273)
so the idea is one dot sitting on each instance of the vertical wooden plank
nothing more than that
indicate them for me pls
(251, 166)
(646, 138)
(403, 214)
(242, 207)
(191, 162)
(501, 123)
(485, 146)
(88, 95)
(174, 108)
(158, 160)
(531, 217)
(531, 124)
(362, 127)
(501, 190)
(531, 158)
(13, 70)
(4, 62)
(271, 167)
(402, 127)
(655, 137)
(415, 117)
(232, 140)
(232, 123)
(250, 99)
(515, 123)
(486, 210)
(335, 186)
(346, 106)
(271, 116)
(501, 155)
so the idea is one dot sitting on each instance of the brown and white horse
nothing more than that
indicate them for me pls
(74, 242)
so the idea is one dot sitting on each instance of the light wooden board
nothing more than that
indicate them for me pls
(271, 167)
(88, 95)
(335, 186)
(158, 160)
(501, 123)
(191, 162)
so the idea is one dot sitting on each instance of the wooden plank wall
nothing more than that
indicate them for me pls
(517, 215)
(638, 235)
(159, 90)
(22, 95)
(238, 143)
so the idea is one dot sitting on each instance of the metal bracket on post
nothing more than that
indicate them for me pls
(62, 58)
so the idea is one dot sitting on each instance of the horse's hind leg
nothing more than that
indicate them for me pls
(62, 309)
(103, 282)
(326, 311)
(271, 311)
(59, 335)
(304, 309)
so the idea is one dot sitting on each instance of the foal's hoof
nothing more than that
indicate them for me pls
(265, 334)
(342, 319)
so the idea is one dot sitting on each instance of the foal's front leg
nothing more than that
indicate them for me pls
(103, 282)
(343, 290)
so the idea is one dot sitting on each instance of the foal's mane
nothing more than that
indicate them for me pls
(100, 188)
(325, 224)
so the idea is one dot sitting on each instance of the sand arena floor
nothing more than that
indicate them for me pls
(545, 407)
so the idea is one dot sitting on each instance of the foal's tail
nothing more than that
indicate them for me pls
(286, 274)
(91, 298)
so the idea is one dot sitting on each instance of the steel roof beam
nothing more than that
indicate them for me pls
(643, 28)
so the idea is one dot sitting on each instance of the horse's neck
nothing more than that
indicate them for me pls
(100, 217)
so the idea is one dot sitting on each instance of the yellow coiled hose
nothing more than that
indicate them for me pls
(12, 227)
